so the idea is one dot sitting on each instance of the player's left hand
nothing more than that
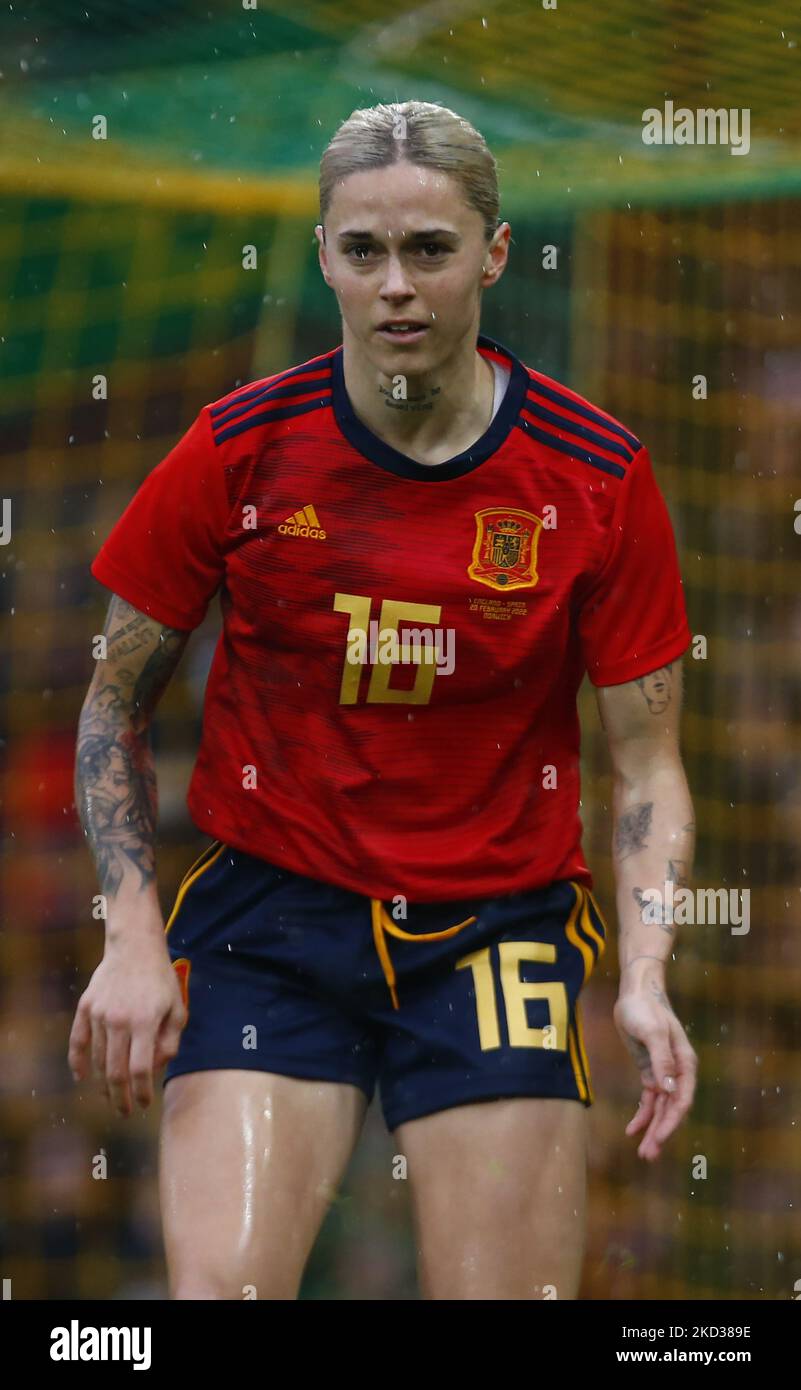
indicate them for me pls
(667, 1062)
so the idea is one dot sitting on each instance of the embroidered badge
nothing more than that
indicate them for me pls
(505, 549)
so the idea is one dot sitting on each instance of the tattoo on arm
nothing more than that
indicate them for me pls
(632, 828)
(656, 917)
(145, 684)
(644, 955)
(115, 777)
(639, 1052)
(677, 872)
(659, 994)
(115, 790)
(657, 689)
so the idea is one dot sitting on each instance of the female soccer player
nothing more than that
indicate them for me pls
(421, 545)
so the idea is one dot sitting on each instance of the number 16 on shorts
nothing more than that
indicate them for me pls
(515, 993)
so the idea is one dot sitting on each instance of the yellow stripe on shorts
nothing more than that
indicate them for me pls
(204, 861)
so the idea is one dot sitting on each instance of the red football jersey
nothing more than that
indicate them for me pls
(449, 769)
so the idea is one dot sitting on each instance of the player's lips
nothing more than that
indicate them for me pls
(402, 330)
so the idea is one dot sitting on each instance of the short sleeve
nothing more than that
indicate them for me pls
(165, 553)
(634, 619)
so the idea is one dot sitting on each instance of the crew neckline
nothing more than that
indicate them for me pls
(377, 451)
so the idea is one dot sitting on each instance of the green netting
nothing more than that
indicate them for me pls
(559, 94)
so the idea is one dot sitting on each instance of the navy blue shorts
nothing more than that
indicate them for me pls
(453, 1002)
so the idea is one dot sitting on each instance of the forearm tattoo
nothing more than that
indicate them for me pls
(632, 828)
(677, 873)
(115, 778)
(645, 955)
(659, 995)
(656, 917)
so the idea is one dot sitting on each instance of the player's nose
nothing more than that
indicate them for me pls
(396, 279)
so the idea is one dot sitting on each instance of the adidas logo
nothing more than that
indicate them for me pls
(303, 523)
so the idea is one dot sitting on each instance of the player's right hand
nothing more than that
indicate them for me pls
(129, 1019)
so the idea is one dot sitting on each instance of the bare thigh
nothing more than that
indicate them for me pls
(498, 1194)
(248, 1165)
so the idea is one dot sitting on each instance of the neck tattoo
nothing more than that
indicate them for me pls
(394, 400)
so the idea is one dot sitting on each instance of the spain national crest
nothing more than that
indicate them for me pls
(505, 549)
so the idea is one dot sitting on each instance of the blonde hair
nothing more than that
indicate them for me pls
(419, 132)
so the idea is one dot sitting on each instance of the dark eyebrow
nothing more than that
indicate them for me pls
(425, 235)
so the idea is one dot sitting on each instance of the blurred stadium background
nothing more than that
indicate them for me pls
(123, 257)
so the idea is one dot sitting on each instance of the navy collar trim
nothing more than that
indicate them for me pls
(391, 459)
